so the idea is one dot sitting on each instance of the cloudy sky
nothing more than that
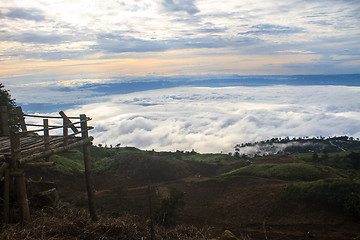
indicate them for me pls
(90, 39)
(64, 52)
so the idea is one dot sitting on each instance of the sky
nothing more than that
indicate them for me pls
(90, 40)
(131, 66)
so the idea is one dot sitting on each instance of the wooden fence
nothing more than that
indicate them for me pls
(22, 144)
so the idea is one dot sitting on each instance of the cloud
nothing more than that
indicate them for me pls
(187, 6)
(271, 29)
(23, 13)
(116, 43)
(29, 37)
(58, 30)
(215, 119)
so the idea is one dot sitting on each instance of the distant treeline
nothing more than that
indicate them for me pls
(305, 144)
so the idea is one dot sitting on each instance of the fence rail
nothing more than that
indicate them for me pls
(24, 142)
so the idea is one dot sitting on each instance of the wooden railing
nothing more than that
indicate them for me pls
(33, 141)
(29, 135)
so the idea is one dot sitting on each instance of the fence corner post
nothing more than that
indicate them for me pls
(20, 185)
(88, 171)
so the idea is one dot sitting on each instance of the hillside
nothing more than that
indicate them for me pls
(293, 196)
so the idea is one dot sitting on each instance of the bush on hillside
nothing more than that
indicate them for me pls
(338, 192)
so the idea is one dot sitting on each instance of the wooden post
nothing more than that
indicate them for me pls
(66, 130)
(6, 196)
(20, 114)
(87, 163)
(152, 232)
(22, 197)
(71, 125)
(15, 147)
(20, 185)
(4, 121)
(46, 137)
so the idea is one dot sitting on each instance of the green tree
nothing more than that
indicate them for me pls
(7, 101)
(5, 98)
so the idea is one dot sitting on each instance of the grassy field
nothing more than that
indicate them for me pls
(288, 194)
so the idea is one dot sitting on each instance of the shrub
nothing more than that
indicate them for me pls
(338, 192)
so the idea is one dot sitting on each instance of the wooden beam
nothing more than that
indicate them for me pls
(20, 114)
(54, 150)
(20, 186)
(15, 147)
(40, 164)
(87, 163)
(6, 210)
(3, 168)
(66, 131)
(46, 137)
(71, 125)
(22, 198)
(152, 232)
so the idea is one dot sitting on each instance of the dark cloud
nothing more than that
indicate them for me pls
(41, 38)
(22, 13)
(116, 44)
(34, 38)
(187, 6)
(271, 29)
(212, 30)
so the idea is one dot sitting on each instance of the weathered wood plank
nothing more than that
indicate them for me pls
(22, 197)
(88, 173)
(71, 125)
(54, 150)
(20, 114)
(6, 203)
(41, 164)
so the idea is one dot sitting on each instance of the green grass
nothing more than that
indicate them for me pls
(208, 157)
(68, 163)
(339, 192)
(288, 171)
(105, 159)
(105, 165)
(309, 156)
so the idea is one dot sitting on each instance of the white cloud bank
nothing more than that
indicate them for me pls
(215, 119)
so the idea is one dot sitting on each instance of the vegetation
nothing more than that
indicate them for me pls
(6, 100)
(167, 212)
(289, 171)
(338, 192)
(69, 223)
(298, 145)
(239, 191)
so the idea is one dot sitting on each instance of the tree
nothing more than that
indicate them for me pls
(7, 101)
(5, 98)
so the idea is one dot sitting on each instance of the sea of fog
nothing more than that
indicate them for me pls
(204, 113)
